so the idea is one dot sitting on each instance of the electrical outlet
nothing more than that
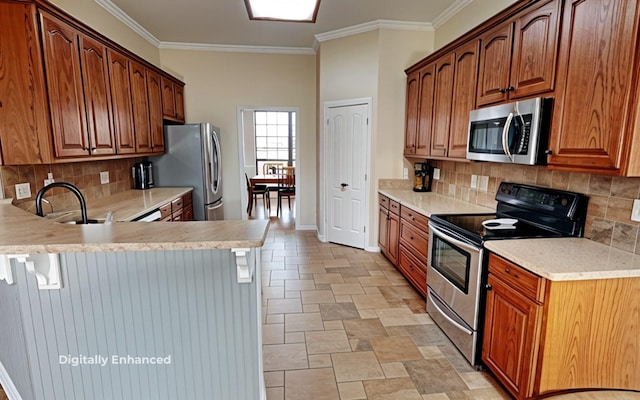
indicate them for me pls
(405, 173)
(635, 212)
(23, 191)
(436, 173)
(104, 177)
(48, 181)
(483, 183)
(474, 181)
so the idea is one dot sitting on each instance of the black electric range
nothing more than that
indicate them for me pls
(537, 212)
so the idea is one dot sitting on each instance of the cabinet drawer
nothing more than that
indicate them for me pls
(413, 269)
(523, 281)
(384, 201)
(187, 199)
(176, 204)
(394, 207)
(415, 240)
(418, 220)
(165, 210)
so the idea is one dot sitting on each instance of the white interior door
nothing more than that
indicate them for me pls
(347, 163)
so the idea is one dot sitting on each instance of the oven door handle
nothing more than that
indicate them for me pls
(449, 238)
(435, 301)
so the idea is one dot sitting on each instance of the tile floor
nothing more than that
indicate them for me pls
(341, 323)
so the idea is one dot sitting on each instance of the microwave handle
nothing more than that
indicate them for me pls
(505, 136)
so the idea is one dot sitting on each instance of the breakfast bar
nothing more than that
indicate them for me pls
(130, 309)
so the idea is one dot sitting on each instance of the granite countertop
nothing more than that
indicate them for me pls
(432, 203)
(566, 259)
(557, 259)
(24, 232)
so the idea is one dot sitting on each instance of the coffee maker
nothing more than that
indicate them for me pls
(142, 175)
(423, 177)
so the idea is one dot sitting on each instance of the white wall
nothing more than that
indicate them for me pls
(217, 83)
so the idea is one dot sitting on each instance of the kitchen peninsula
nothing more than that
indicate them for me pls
(181, 300)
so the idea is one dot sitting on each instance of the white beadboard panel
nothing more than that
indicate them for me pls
(183, 304)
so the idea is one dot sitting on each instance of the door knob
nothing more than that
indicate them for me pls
(344, 185)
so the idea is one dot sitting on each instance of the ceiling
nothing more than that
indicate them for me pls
(225, 22)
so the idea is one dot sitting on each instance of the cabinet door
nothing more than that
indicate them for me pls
(168, 98)
(464, 98)
(24, 115)
(511, 337)
(64, 84)
(443, 92)
(411, 113)
(121, 98)
(394, 238)
(154, 93)
(179, 97)
(495, 60)
(383, 230)
(535, 49)
(97, 95)
(593, 85)
(187, 212)
(141, 122)
(425, 110)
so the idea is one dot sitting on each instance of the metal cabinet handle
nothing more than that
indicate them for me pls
(488, 287)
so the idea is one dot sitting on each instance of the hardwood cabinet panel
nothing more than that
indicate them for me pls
(464, 98)
(425, 110)
(154, 93)
(413, 270)
(595, 86)
(140, 104)
(394, 238)
(97, 96)
(493, 75)
(443, 93)
(414, 240)
(25, 136)
(179, 98)
(535, 50)
(168, 98)
(121, 99)
(187, 213)
(411, 115)
(383, 229)
(64, 84)
(419, 221)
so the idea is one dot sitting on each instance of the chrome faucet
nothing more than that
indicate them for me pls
(73, 189)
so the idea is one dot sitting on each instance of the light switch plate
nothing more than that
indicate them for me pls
(23, 191)
(405, 173)
(635, 212)
(474, 181)
(104, 177)
(436, 173)
(483, 183)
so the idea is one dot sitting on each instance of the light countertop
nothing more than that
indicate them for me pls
(24, 232)
(432, 203)
(557, 259)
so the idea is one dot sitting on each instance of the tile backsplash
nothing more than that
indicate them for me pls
(84, 175)
(610, 198)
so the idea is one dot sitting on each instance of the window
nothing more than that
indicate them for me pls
(275, 138)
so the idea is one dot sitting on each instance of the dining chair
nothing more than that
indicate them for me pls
(286, 185)
(254, 191)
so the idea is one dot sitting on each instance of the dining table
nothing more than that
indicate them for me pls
(264, 179)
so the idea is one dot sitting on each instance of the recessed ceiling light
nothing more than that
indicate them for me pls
(283, 10)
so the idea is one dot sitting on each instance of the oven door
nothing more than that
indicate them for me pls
(454, 273)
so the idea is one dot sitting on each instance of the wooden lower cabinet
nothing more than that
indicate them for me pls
(178, 209)
(389, 228)
(543, 336)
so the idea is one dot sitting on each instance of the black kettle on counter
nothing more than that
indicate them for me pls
(142, 175)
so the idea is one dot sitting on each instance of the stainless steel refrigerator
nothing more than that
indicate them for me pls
(192, 158)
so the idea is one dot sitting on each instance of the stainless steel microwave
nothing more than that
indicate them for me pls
(515, 132)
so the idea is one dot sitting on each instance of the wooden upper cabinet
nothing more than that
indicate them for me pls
(425, 110)
(596, 119)
(168, 98)
(179, 97)
(518, 59)
(154, 94)
(64, 84)
(411, 114)
(443, 93)
(464, 98)
(25, 136)
(121, 98)
(140, 104)
(97, 96)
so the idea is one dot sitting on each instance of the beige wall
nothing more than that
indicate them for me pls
(468, 18)
(217, 83)
(372, 65)
(94, 15)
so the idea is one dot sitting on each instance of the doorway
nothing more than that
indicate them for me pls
(347, 148)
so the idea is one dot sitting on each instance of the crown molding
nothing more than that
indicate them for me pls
(128, 21)
(236, 49)
(452, 10)
(372, 26)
